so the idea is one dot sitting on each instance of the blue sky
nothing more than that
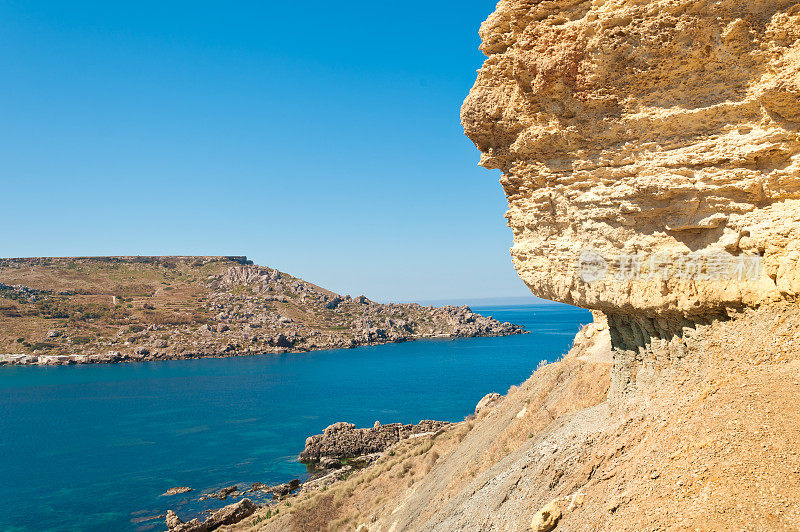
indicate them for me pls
(320, 138)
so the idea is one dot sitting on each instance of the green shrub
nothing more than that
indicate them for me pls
(42, 346)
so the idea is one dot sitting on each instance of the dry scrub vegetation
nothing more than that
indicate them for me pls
(367, 492)
(93, 303)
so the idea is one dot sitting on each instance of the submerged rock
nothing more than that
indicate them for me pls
(177, 490)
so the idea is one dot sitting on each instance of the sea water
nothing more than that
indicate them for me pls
(92, 447)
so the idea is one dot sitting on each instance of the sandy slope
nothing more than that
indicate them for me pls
(696, 434)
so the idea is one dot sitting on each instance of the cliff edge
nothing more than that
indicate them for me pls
(649, 154)
(648, 151)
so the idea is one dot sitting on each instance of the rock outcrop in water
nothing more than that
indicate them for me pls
(229, 515)
(344, 440)
(648, 150)
(177, 490)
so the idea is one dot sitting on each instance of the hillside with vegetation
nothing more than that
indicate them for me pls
(108, 309)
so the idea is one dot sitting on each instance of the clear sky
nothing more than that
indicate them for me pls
(320, 138)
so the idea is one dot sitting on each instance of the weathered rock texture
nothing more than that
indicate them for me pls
(344, 440)
(666, 130)
(655, 129)
(231, 514)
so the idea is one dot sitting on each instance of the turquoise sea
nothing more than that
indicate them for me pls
(92, 447)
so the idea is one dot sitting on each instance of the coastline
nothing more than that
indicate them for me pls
(62, 311)
(339, 452)
(221, 422)
(116, 357)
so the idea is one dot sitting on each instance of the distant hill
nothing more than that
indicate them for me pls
(107, 309)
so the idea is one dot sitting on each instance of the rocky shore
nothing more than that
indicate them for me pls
(130, 309)
(333, 456)
(648, 152)
(342, 441)
(231, 514)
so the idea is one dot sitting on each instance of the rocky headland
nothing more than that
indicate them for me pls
(649, 153)
(57, 311)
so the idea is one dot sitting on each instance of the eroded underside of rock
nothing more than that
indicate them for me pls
(654, 129)
(654, 143)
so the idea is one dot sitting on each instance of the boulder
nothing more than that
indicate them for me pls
(333, 302)
(282, 490)
(173, 521)
(488, 401)
(229, 515)
(546, 518)
(327, 462)
(233, 513)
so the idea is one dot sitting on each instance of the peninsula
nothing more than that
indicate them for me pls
(115, 309)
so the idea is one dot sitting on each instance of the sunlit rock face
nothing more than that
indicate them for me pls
(649, 150)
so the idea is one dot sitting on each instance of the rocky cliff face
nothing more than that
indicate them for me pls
(648, 151)
(649, 155)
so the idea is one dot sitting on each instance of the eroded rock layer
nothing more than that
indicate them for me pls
(649, 155)
(648, 150)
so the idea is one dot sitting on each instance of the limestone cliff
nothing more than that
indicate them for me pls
(649, 155)
(648, 151)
